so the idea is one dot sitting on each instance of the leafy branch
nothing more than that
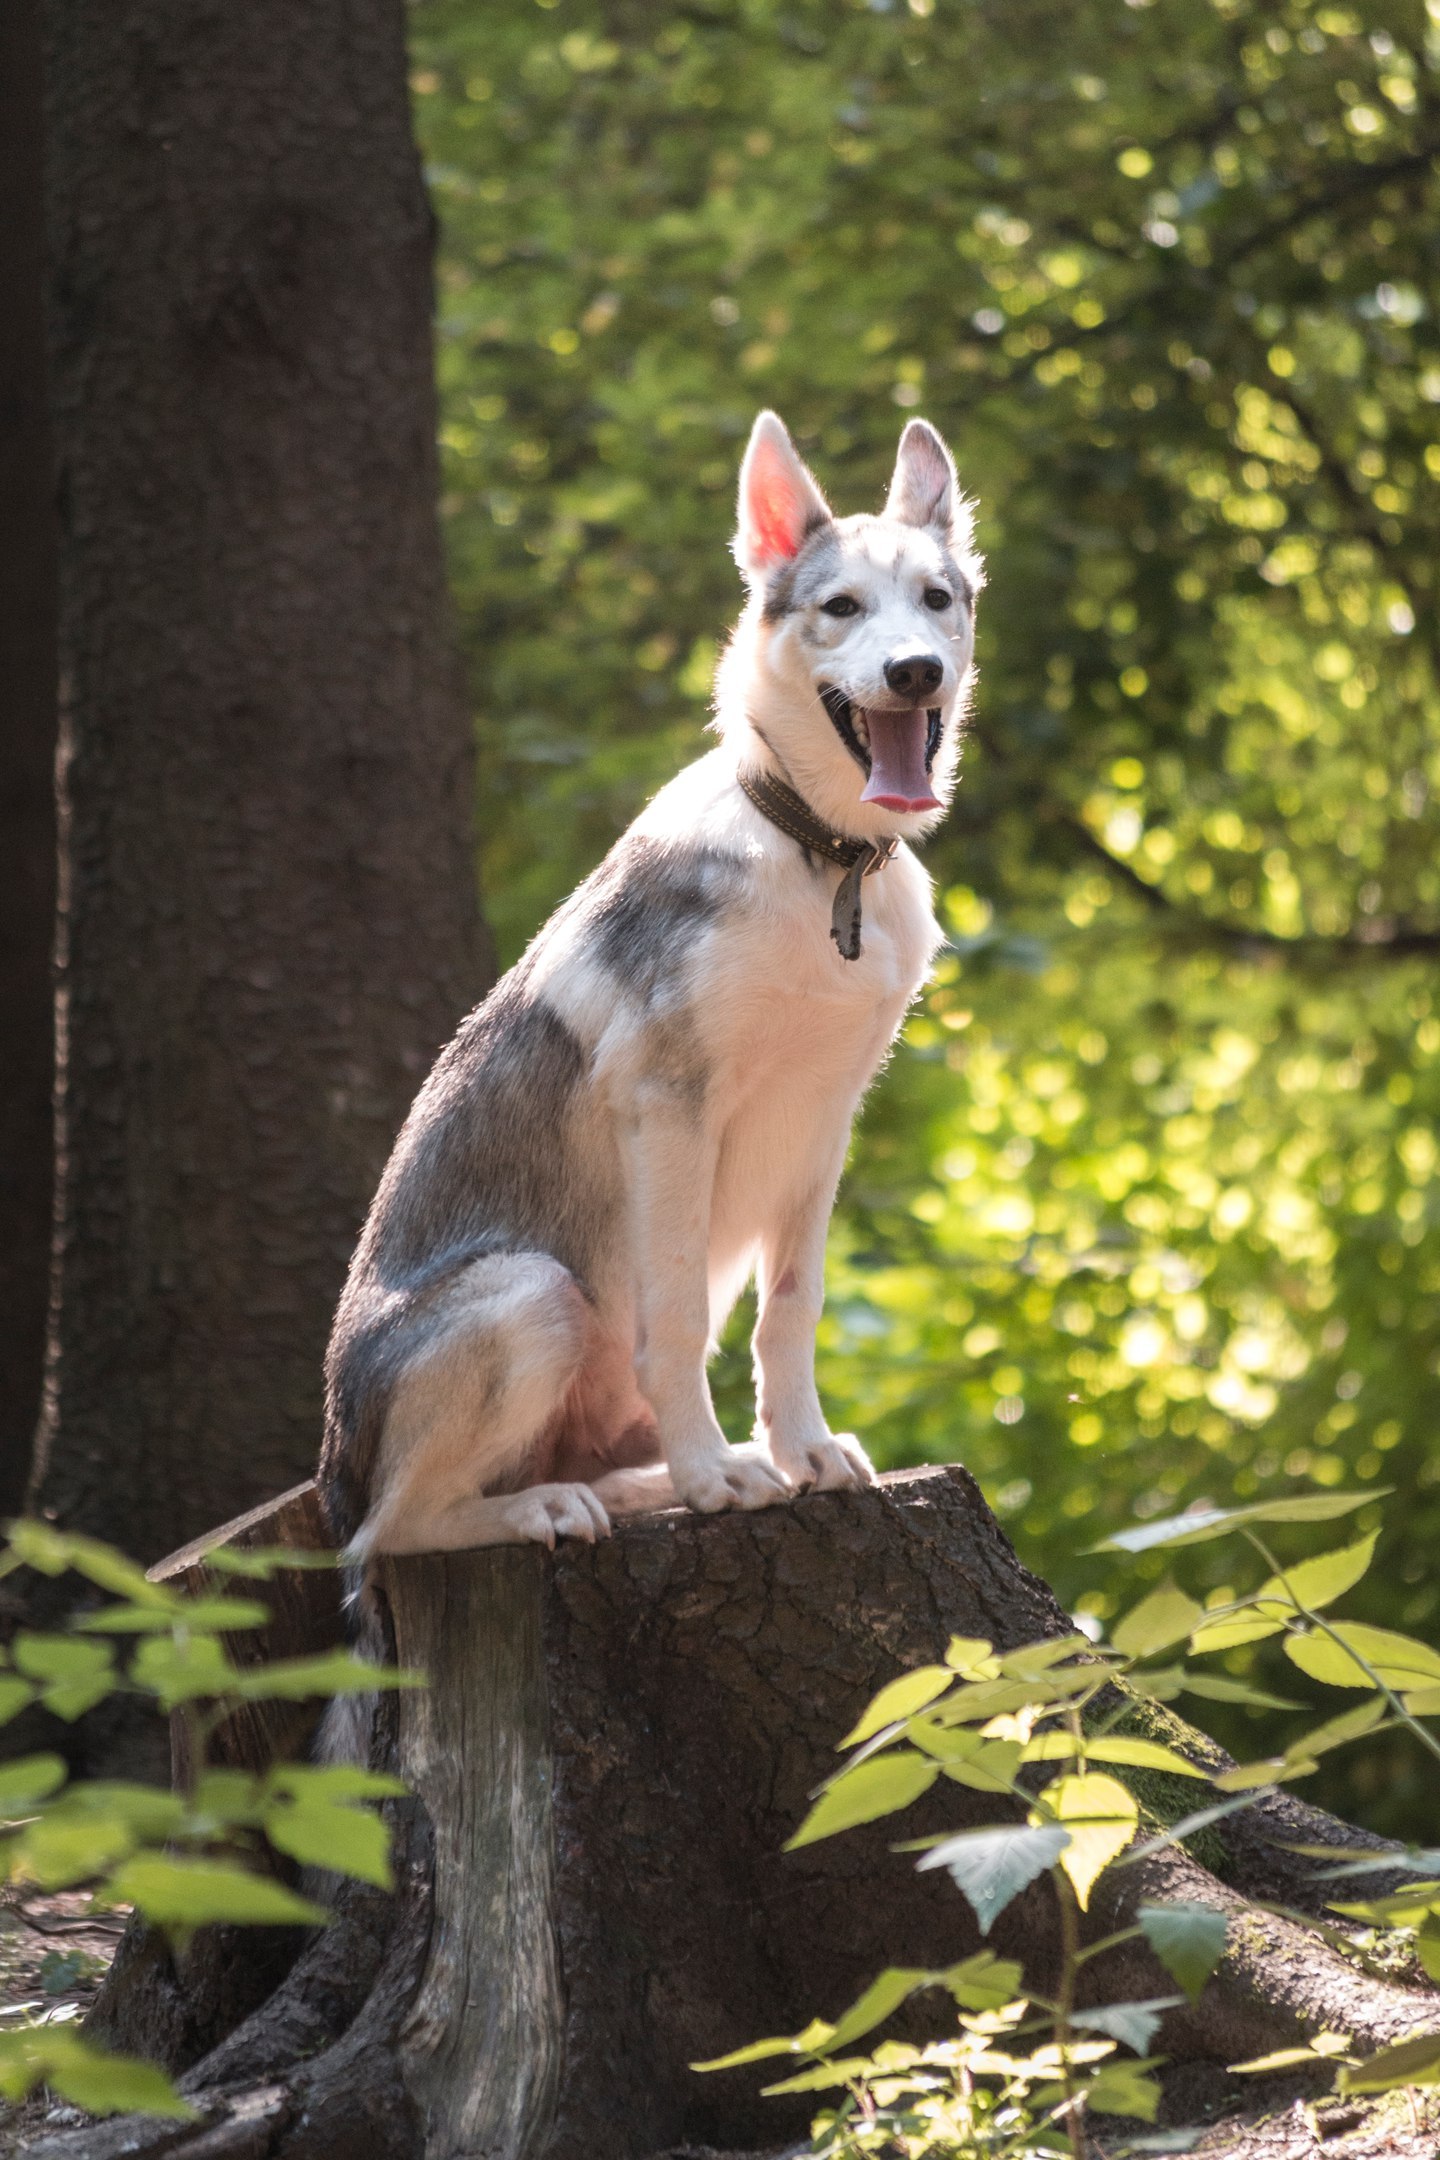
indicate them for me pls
(989, 1719)
(215, 1851)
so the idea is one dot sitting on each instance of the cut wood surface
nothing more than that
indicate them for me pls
(615, 1744)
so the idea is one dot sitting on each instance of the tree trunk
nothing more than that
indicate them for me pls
(613, 1748)
(27, 752)
(268, 913)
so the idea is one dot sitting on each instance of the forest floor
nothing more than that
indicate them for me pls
(54, 1951)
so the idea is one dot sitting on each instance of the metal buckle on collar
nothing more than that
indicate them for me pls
(882, 851)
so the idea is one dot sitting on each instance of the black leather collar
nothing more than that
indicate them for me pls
(776, 800)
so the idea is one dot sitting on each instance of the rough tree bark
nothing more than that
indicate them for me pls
(613, 1748)
(268, 913)
(27, 752)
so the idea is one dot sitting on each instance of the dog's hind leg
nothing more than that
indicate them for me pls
(471, 1410)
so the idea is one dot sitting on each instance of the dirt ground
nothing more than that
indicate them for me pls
(53, 1952)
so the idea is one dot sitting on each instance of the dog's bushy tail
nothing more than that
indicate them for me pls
(346, 1728)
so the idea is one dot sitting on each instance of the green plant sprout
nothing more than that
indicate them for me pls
(1027, 2070)
(182, 1859)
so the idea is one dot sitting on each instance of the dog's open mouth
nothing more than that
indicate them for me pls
(896, 749)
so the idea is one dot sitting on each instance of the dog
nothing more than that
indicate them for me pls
(656, 1102)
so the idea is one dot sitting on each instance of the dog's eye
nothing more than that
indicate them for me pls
(936, 597)
(840, 603)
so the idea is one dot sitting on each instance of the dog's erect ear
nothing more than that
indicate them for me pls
(779, 501)
(924, 490)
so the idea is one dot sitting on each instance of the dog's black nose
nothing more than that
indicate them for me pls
(916, 676)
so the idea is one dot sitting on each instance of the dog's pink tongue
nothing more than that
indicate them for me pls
(898, 779)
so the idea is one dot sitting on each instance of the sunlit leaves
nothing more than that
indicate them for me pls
(1351, 1655)
(1408, 2062)
(1310, 1586)
(909, 1693)
(1202, 1524)
(1165, 1617)
(1100, 1816)
(880, 1786)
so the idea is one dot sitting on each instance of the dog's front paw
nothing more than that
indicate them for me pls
(541, 1513)
(835, 1463)
(731, 1480)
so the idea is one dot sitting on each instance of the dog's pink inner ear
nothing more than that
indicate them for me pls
(777, 507)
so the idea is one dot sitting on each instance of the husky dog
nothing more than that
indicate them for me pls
(657, 1100)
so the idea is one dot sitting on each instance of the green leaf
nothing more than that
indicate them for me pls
(1427, 1949)
(1409, 1907)
(184, 1668)
(1312, 1583)
(28, 1779)
(262, 1562)
(991, 1867)
(1398, 1660)
(1188, 1939)
(1188, 1825)
(880, 2000)
(334, 1781)
(336, 1672)
(984, 1981)
(331, 1834)
(1124, 2088)
(53, 1551)
(1165, 1617)
(820, 2079)
(15, 1696)
(226, 1799)
(1324, 2049)
(808, 2042)
(63, 1847)
(1133, 2024)
(911, 1692)
(1101, 1817)
(73, 1675)
(1205, 1523)
(1038, 1657)
(102, 2084)
(1339, 1731)
(1111, 1748)
(116, 2085)
(881, 1786)
(201, 1615)
(1213, 1687)
(148, 1810)
(1269, 1770)
(1415, 2061)
(193, 1893)
(984, 1765)
(972, 1657)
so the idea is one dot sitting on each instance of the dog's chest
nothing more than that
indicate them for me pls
(786, 1010)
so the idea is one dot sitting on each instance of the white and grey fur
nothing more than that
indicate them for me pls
(656, 1101)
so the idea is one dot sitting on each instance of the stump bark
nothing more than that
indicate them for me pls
(614, 1746)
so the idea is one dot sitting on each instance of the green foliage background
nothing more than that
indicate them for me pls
(1145, 1209)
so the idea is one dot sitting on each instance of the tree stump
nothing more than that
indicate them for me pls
(614, 1746)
